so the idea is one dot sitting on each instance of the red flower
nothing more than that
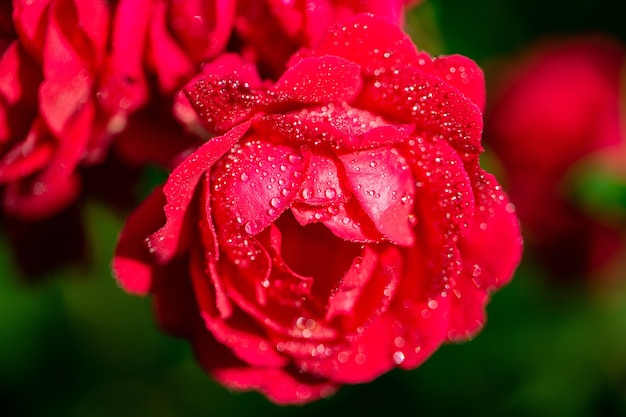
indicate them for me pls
(72, 73)
(555, 106)
(339, 227)
(270, 31)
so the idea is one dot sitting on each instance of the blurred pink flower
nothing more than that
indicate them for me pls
(269, 31)
(551, 108)
(340, 226)
(73, 73)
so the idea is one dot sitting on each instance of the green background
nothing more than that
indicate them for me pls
(74, 344)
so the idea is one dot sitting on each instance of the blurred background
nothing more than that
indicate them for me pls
(73, 344)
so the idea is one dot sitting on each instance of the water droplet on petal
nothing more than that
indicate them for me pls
(398, 357)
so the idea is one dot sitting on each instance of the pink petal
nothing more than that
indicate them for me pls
(444, 187)
(133, 265)
(181, 187)
(29, 156)
(424, 327)
(254, 184)
(18, 89)
(236, 330)
(318, 80)
(166, 58)
(221, 99)
(410, 95)
(94, 20)
(346, 221)
(363, 356)
(372, 42)
(31, 19)
(321, 184)
(202, 27)
(493, 247)
(281, 386)
(463, 74)
(382, 182)
(338, 125)
(344, 297)
(58, 184)
(67, 84)
(379, 293)
(124, 87)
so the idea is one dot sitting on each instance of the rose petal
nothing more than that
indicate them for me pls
(254, 184)
(202, 27)
(180, 189)
(382, 182)
(170, 63)
(67, 77)
(31, 19)
(371, 42)
(224, 98)
(133, 265)
(321, 184)
(318, 80)
(410, 95)
(463, 74)
(235, 330)
(347, 220)
(493, 247)
(124, 87)
(347, 292)
(29, 156)
(340, 126)
(434, 164)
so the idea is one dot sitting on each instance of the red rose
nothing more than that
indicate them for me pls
(553, 107)
(270, 31)
(74, 72)
(339, 227)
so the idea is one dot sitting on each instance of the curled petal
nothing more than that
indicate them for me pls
(180, 189)
(223, 101)
(347, 292)
(202, 27)
(255, 183)
(382, 182)
(124, 87)
(318, 80)
(132, 264)
(235, 330)
(463, 74)
(321, 184)
(346, 220)
(170, 63)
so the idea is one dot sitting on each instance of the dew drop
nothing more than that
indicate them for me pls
(330, 193)
(243, 177)
(274, 202)
(293, 158)
(398, 357)
(306, 193)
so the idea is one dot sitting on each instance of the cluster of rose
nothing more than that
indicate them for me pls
(325, 217)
